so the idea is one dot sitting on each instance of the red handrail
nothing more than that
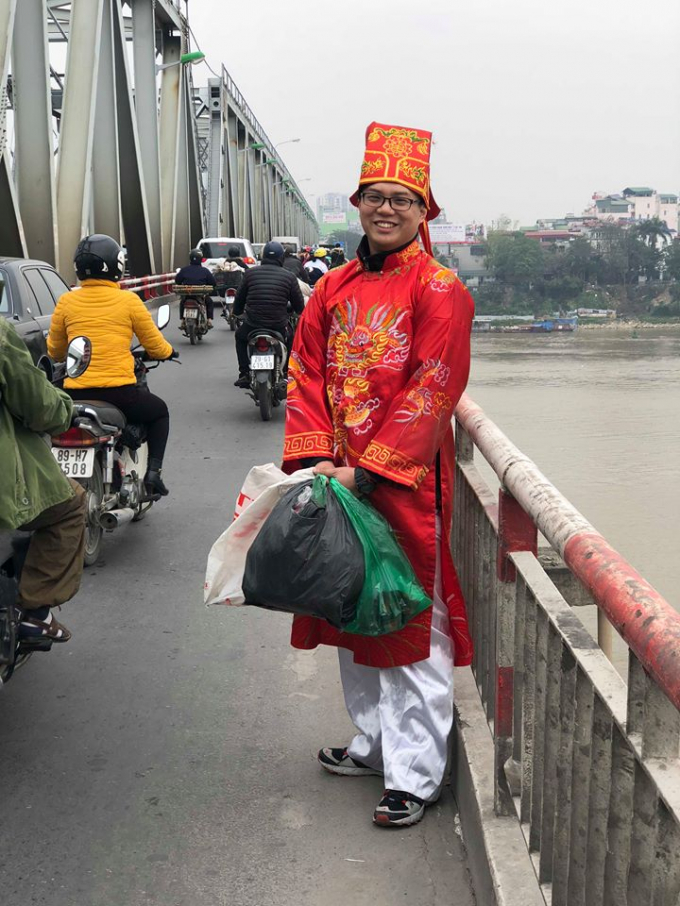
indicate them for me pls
(643, 617)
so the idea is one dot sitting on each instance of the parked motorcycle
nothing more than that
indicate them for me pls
(195, 312)
(105, 453)
(267, 354)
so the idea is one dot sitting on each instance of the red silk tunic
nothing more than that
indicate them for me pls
(379, 362)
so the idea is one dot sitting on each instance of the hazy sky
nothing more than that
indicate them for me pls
(534, 104)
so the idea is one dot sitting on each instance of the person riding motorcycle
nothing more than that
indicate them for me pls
(194, 274)
(316, 267)
(35, 495)
(292, 263)
(264, 296)
(109, 316)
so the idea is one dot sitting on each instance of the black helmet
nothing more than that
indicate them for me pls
(273, 251)
(195, 256)
(234, 251)
(99, 257)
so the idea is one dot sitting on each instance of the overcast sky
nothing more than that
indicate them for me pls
(534, 104)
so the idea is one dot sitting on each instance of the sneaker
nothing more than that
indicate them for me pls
(398, 809)
(337, 761)
(42, 624)
(243, 382)
(210, 325)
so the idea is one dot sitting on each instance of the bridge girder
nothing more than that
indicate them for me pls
(93, 144)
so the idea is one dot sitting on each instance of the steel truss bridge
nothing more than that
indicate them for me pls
(103, 130)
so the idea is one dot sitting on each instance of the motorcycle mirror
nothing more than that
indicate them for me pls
(163, 316)
(78, 356)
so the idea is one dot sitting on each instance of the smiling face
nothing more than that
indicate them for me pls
(386, 228)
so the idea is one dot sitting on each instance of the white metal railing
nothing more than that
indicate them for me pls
(587, 763)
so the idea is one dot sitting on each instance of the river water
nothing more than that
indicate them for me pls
(599, 413)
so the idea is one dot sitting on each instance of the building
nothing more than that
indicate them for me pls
(648, 203)
(636, 203)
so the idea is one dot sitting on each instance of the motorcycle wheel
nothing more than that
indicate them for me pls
(94, 488)
(191, 333)
(264, 399)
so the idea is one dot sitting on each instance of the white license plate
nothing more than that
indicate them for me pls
(190, 312)
(262, 362)
(75, 461)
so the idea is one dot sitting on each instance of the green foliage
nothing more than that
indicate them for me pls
(514, 259)
(671, 260)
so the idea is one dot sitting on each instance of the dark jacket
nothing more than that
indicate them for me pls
(293, 264)
(265, 293)
(195, 275)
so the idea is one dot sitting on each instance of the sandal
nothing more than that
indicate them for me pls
(32, 627)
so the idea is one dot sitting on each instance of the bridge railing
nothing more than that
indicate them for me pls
(151, 287)
(587, 763)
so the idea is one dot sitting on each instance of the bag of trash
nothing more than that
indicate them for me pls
(262, 489)
(306, 558)
(391, 594)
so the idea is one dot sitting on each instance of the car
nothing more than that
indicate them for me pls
(217, 247)
(29, 290)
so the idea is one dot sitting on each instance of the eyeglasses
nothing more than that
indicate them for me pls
(396, 202)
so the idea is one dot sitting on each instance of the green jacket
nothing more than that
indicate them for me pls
(30, 478)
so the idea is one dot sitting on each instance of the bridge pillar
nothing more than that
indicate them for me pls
(34, 151)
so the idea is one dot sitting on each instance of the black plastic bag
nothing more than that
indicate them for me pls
(307, 558)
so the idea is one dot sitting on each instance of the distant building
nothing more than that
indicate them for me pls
(636, 203)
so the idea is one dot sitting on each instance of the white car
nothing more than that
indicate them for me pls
(216, 248)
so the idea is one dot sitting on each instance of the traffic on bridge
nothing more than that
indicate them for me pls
(286, 617)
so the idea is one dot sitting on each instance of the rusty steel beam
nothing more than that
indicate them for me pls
(642, 617)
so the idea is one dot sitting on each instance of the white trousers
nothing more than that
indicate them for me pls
(404, 714)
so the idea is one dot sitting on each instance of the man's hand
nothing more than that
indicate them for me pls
(343, 474)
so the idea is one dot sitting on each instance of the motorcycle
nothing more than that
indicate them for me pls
(14, 652)
(228, 307)
(267, 354)
(105, 453)
(195, 312)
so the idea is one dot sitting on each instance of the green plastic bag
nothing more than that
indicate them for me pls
(391, 594)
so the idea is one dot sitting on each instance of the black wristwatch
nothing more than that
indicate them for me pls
(364, 481)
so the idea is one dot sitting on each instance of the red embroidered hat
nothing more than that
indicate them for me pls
(401, 155)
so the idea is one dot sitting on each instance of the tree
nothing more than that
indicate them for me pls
(349, 239)
(579, 259)
(671, 260)
(653, 231)
(514, 259)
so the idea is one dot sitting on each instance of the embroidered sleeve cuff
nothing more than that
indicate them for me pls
(309, 444)
(393, 465)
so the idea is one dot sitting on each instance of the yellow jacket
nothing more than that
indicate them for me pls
(108, 316)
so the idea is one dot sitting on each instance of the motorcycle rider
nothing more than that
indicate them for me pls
(109, 316)
(316, 267)
(264, 296)
(194, 274)
(35, 495)
(292, 263)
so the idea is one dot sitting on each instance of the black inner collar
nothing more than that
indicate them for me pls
(376, 261)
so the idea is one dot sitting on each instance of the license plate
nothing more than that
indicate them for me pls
(75, 461)
(262, 362)
(190, 312)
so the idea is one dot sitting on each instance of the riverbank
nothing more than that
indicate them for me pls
(632, 324)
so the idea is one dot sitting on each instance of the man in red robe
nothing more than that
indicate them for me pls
(381, 358)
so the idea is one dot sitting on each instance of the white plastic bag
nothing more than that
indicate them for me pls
(263, 488)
